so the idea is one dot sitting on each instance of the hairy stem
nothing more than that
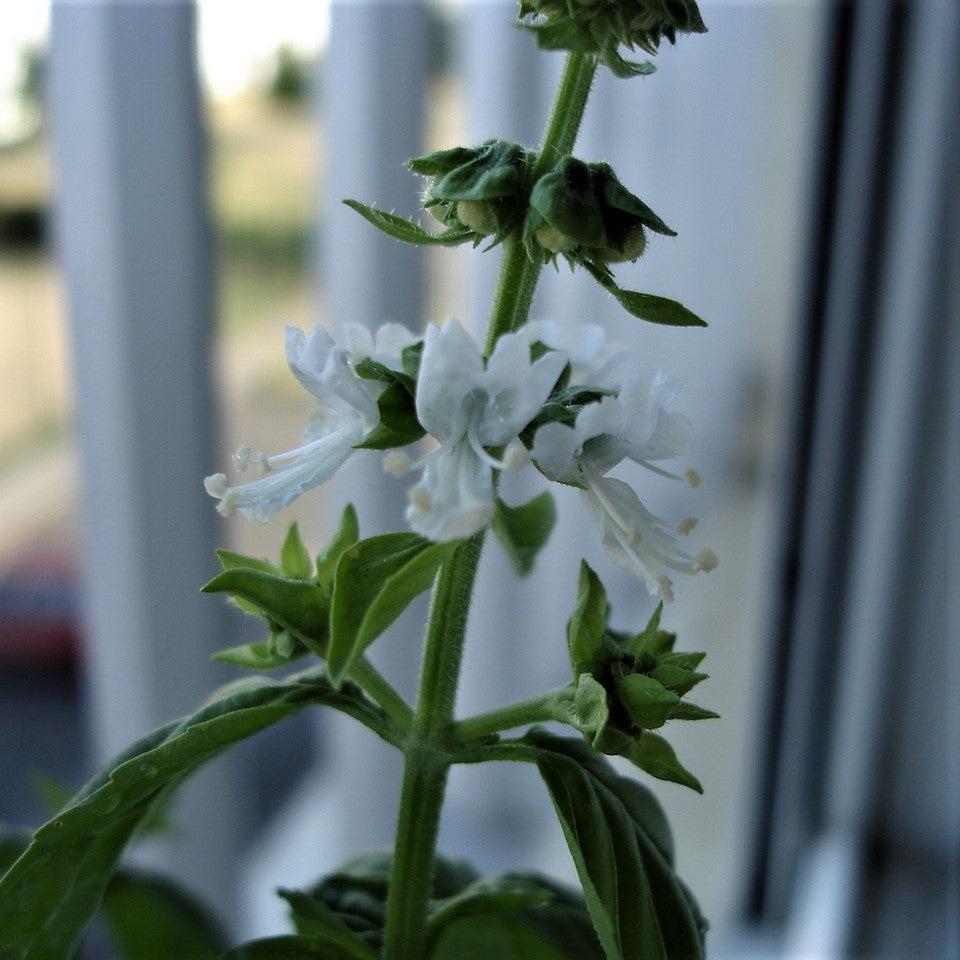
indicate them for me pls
(548, 706)
(372, 682)
(428, 750)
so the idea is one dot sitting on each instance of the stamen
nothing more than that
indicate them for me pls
(686, 525)
(693, 478)
(706, 560)
(473, 439)
(241, 458)
(216, 485)
(666, 589)
(397, 464)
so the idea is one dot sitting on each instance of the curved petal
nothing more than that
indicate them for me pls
(454, 498)
(516, 389)
(555, 449)
(634, 538)
(312, 465)
(451, 368)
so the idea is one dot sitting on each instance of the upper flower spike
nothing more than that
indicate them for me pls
(601, 27)
(346, 413)
(634, 425)
(469, 406)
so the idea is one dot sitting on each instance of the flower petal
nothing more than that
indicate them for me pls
(450, 369)
(454, 498)
(260, 499)
(634, 538)
(555, 448)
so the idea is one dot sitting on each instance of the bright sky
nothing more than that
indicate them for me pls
(234, 39)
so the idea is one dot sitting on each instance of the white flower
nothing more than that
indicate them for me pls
(347, 412)
(634, 425)
(592, 359)
(468, 406)
(386, 346)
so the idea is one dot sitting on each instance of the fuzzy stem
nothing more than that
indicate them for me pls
(548, 706)
(428, 749)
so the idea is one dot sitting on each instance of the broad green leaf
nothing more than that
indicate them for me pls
(646, 700)
(620, 845)
(398, 425)
(371, 369)
(376, 581)
(300, 607)
(524, 530)
(652, 754)
(590, 710)
(346, 535)
(150, 918)
(405, 230)
(52, 793)
(313, 918)
(585, 629)
(497, 936)
(253, 656)
(50, 893)
(488, 895)
(690, 711)
(294, 558)
(290, 947)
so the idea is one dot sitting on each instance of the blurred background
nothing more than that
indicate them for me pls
(169, 182)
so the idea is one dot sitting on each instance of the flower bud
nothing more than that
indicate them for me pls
(632, 247)
(478, 215)
(550, 238)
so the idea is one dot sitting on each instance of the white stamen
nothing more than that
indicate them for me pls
(686, 525)
(693, 478)
(706, 560)
(241, 458)
(516, 456)
(397, 463)
(216, 485)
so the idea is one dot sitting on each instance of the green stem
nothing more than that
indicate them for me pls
(428, 757)
(428, 750)
(548, 706)
(366, 675)
(519, 274)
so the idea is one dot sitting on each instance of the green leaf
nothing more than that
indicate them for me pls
(405, 230)
(652, 754)
(253, 656)
(618, 196)
(678, 679)
(313, 918)
(300, 607)
(688, 661)
(294, 558)
(646, 306)
(499, 936)
(652, 639)
(346, 535)
(524, 530)
(585, 629)
(376, 580)
(52, 793)
(50, 893)
(488, 895)
(150, 918)
(371, 369)
(646, 701)
(565, 34)
(231, 561)
(290, 947)
(398, 424)
(590, 710)
(618, 839)
(625, 69)
(441, 161)
(690, 711)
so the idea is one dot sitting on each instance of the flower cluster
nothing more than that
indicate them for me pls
(547, 393)
(601, 27)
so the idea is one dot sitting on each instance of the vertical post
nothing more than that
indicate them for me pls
(134, 247)
(373, 102)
